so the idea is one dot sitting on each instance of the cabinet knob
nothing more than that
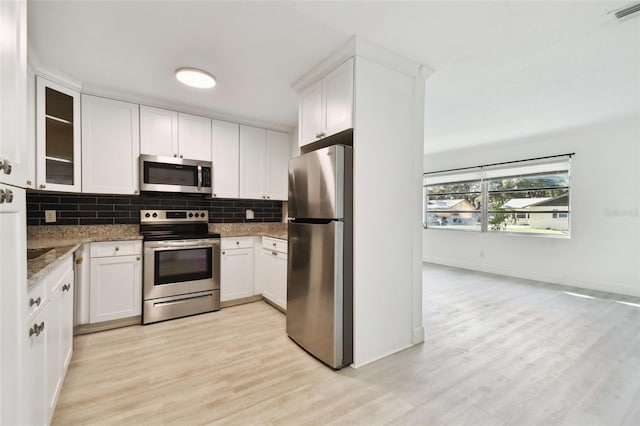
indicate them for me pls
(6, 196)
(42, 186)
(29, 183)
(214, 194)
(79, 260)
(66, 287)
(138, 258)
(135, 191)
(175, 155)
(237, 243)
(6, 167)
(319, 135)
(275, 253)
(36, 329)
(117, 248)
(181, 156)
(35, 302)
(224, 252)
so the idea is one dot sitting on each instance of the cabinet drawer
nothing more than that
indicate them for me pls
(63, 267)
(116, 248)
(236, 242)
(36, 299)
(274, 244)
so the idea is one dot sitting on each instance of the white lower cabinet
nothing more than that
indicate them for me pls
(37, 405)
(236, 268)
(274, 271)
(116, 280)
(49, 343)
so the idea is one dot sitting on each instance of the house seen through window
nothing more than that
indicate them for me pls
(525, 197)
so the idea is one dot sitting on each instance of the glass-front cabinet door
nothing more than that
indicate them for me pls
(58, 137)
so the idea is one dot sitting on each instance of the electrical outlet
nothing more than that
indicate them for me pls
(49, 216)
(249, 214)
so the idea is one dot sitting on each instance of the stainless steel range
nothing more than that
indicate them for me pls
(181, 274)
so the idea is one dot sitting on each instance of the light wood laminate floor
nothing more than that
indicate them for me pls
(498, 351)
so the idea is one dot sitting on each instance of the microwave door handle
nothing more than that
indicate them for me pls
(199, 177)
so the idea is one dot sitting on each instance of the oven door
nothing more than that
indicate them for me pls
(180, 267)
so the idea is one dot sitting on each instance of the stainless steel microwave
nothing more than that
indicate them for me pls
(168, 174)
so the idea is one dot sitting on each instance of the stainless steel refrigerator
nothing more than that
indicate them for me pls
(320, 271)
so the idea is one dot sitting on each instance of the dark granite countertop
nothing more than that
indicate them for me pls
(40, 266)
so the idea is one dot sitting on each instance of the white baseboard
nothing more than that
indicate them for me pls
(384, 355)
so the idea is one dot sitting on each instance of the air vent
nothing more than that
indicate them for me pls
(627, 12)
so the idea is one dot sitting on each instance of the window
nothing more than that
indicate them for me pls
(454, 204)
(524, 197)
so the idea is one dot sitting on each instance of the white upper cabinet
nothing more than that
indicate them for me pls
(57, 137)
(264, 159)
(158, 132)
(225, 150)
(13, 72)
(326, 107)
(194, 137)
(310, 114)
(30, 174)
(171, 134)
(110, 146)
(278, 153)
(253, 165)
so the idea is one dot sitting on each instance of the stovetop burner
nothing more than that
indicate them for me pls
(161, 225)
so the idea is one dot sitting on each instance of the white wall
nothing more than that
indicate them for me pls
(603, 252)
(386, 213)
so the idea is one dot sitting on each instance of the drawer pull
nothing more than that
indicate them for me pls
(36, 329)
(6, 167)
(35, 302)
(117, 248)
(66, 287)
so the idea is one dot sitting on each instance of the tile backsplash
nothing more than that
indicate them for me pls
(92, 209)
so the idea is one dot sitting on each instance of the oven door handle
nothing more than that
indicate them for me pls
(174, 245)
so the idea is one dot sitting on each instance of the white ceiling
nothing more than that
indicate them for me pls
(503, 69)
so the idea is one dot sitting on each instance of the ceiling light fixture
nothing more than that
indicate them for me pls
(195, 77)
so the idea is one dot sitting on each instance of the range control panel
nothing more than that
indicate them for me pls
(173, 216)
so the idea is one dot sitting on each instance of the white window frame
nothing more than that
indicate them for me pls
(485, 173)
